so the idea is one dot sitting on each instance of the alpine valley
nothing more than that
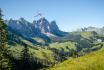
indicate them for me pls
(51, 34)
(51, 48)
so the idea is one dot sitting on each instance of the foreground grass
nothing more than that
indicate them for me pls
(92, 61)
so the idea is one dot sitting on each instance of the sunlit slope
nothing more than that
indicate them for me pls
(92, 61)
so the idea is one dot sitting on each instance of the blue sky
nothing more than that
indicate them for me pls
(69, 14)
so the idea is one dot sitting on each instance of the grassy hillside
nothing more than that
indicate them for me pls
(37, 52)
(65, 46)
(44, 54)
(92, 61)
(80, 44)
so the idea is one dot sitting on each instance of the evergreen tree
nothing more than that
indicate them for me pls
(5, 63)
(25, 59)
(3, 34)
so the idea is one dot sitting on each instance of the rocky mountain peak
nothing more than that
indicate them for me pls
(21, 19)
(53, 25)
(37, 27)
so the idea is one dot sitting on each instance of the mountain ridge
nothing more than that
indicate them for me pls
(41, 26)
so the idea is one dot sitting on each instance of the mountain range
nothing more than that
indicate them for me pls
(41, 29)
(36, 28)
(43, 32)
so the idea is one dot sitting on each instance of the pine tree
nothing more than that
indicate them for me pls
(3, 33)
(5, 63)
(25, 59)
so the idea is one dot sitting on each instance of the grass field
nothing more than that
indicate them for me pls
(92, 61)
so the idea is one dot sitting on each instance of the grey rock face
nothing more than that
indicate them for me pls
(36, 28)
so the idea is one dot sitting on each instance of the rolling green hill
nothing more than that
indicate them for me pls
(45, 54)
(92, 61)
